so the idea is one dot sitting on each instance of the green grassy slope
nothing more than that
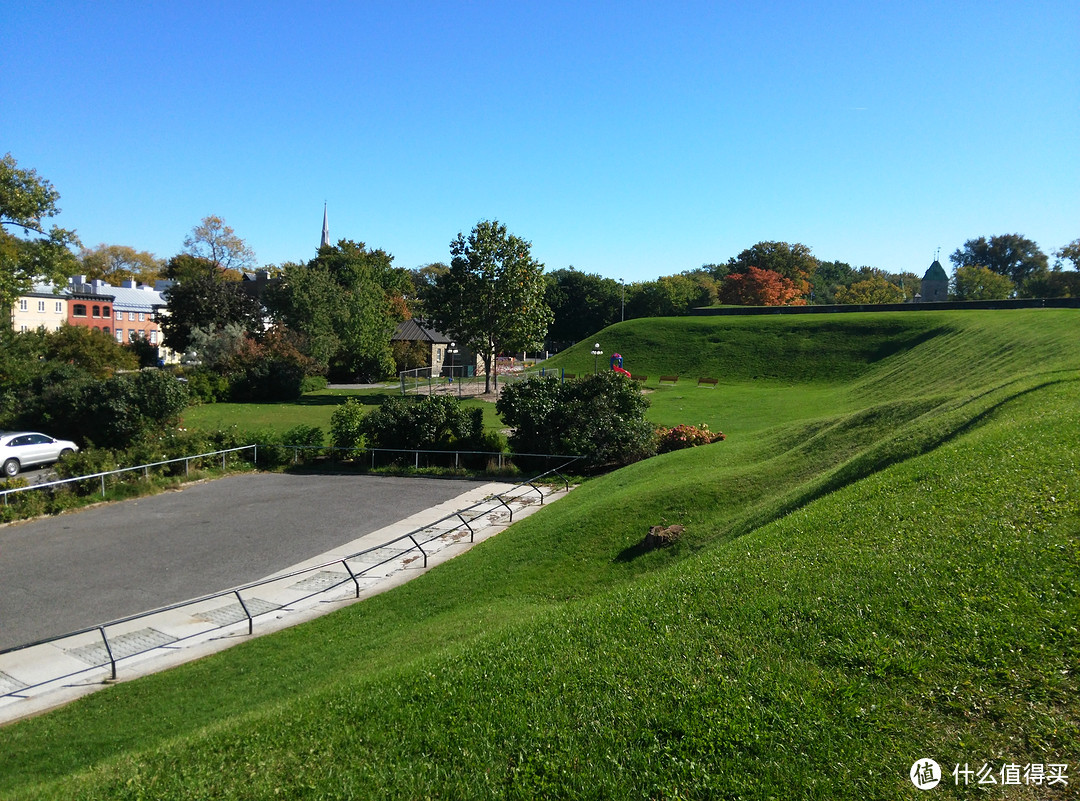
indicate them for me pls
(887, 572)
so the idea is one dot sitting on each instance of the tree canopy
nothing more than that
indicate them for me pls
(117, 263)
(492, 298)
(207, 302)
(216, 242)
(873, 289)
(975, 282)
(1010, 255)
(755, 287)
(28, 252)
(346, 303)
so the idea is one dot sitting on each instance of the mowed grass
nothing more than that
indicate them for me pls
(312, 409)
(887, 569)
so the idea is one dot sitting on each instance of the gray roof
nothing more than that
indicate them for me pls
(412, 331)
(126, 298)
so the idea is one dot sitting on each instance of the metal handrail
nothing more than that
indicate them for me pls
(143, 467)
(249, 615)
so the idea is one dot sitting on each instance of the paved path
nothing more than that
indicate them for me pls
(59, 574)
(41, 677)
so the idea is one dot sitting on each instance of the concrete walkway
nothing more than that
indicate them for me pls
(164, 639)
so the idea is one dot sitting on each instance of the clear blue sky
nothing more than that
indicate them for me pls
(630, 139)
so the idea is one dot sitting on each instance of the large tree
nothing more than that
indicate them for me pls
(756, 287)
(794, 262)
(346, 303)
(28, 252)
(876, 288)
(1068, 253)
(1011, 255)
(210, 303)
(975, 282)
(117, 263)
(216, 242)
(581, 304)
(492, 299)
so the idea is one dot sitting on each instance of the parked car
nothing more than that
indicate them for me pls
(22, 449)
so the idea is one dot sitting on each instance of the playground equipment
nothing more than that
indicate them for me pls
(616, 365)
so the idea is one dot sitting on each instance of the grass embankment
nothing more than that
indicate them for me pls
(886, 573)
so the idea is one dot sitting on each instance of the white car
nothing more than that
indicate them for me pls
(22, 449)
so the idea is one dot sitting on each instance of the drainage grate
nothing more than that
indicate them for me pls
(323, 580)
(9, 684)
(234, 613)
(134, 642)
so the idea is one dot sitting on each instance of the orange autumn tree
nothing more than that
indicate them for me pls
(756, 287)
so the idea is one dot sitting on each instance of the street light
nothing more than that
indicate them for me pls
(451, 351)
(622, 309)
(596, 353)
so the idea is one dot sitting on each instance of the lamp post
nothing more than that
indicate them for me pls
(622, 309)
(451, 352)
(596, 353)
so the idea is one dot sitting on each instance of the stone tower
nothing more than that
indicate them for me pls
(935, 284)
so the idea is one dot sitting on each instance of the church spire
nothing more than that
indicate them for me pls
(325, 243)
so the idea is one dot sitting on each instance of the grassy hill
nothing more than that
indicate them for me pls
(881, 564)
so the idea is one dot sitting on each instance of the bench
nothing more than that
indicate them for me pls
(641, 378)
(712, 381)
(671, 379)
(569, 375)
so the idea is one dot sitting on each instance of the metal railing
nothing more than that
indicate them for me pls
(414, 540)
(145, 468)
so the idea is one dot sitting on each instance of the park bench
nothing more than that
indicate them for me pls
(712, 381)
(569, 375)
(641, 378)
(671, 379)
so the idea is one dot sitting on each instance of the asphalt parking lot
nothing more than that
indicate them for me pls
(59, 574)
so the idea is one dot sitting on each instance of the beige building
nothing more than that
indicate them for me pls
(39, 308)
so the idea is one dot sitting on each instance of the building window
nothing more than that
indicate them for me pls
(119, 334)
(153, 337)
(131, 316)
(119, 315)
(106, 311)
(22, 304)
(132, 335)
(78, 310)
(41, 306)
(142, 317)
(59, 307)
(106, 329)
(97, 311)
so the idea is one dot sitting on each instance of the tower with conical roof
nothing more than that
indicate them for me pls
(935, 284)
(325, 243)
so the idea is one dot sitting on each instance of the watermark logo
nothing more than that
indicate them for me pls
(925, 774)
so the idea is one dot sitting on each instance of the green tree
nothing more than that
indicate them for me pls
(492, 299)
(581, 304)
(210, 302)
(1068, 253)
(600, 418)
(346, 302)
(975, 282)
(216, 242)
(116, 263)
(875, 289)
(93, 351)
(1011, 255)
(29, 253)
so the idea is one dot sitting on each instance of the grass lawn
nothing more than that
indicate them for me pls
(312, 409)
(881, 564)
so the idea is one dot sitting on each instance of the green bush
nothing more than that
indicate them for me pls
(437, 422)
(207, 386)
(600, 418)
(313, 383)
(307, 440)
(346, 426)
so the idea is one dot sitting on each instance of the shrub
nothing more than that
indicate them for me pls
(346, 426)
(313, 383)
(437, 422)
(684, 436)
(307, 439)
(600, 418)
